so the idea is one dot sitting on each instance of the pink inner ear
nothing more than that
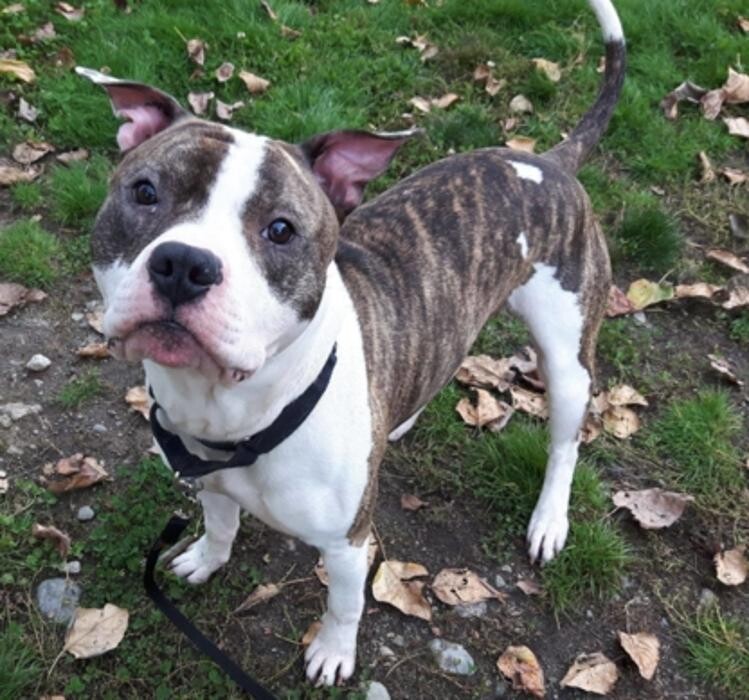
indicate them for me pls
(145, 121)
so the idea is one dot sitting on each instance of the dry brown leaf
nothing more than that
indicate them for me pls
(289, 33)
(520, 104)
(653, 508)
(93, 351)
(226, 111)
(727, 258)
(731, 566)
(31, 151)
(594, 673)
(196, 51)
(409, 501)
(43, 33)
(723, 367)
(421, 103)
(548, 68)
(699, 290)
(261, 594)
(734, 176)
(311, 633)
(392, 584)
(74, 473)
(592, 429)
(199, 101)
(73, 156)
(95, 631)
(489, 411)
(10, 173)
(138, 400)
(618, 303)
(420, 42)
(483, 73)
(529, 402)
(269, 10)
(95, 320)
(485, 372)
(625, 395)
(521, 666)
(463, 586)
(70, 13)
(737, 126)
(50, 532)
(224, 72)
(643, 293)
(708, 172)
(736, 293)
(20, 69)
(687, 91)
(620, 421)
(521, 143)
(743, 23)
(12, 295)
(711, 103)
(644, 650)
(18, 7)
(254, 83)
(445, 101)
(529, 586)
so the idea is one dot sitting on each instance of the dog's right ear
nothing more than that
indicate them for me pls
(147, 109)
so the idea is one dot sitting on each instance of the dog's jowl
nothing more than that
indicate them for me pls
(239, 268)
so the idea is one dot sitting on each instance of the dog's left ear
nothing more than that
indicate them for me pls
(147, 109)
(345, 161)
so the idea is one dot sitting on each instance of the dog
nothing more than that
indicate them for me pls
(244, 274)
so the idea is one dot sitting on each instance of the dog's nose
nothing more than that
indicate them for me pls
(182, 272)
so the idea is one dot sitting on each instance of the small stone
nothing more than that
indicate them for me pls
(16, 411)
(500, 690)
(499, 582)
(71, 567)
(386, 651)
(398, 640)
(377, 691)
(77, 316)
(452, 657)
(38, 363)
(38, 383)
(467, 610)
(506, 568)
(57, 599)
(707, 600)
(99, 428)
(85, 513)
(589, 614)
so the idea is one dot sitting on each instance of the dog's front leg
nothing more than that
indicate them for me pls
(213, 549)
(332, 653)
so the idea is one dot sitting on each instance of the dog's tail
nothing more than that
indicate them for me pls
(574, 150)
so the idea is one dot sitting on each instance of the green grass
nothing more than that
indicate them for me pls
(19, 669)
(28, 254)
(740, 328)
(27, 195)
(623, 345)
(649, 238)
(717, 649)
(78, 191)
(501, 336)
(81, 389)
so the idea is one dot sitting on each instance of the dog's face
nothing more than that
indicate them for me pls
(212, 248)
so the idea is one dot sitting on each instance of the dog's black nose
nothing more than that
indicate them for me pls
(181, 272)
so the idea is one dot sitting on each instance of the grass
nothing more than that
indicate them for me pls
(649, 238)
(501, 336)
(740, 328)
(78, 191)
(27, 195)
(19, 669)
(28, 254)
(81, 389)
(621, 344)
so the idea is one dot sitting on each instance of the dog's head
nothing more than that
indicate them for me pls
(212, 247)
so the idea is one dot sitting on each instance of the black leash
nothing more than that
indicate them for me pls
(168, 537)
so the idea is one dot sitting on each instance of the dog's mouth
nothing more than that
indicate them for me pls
(170, 344)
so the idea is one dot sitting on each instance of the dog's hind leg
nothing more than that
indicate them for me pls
(556, 322)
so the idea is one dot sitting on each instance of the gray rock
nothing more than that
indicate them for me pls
(707, 600)
(57, 599)
(467, 610)
(71, 567)
(452, 657)
(500, 690)
(386, 651)
(38, 363)
(499, 582)
(506, 568)
(99, 428)
(16, 411)
(85, 513)
(377, 691)
(77, 316)
(398, 640)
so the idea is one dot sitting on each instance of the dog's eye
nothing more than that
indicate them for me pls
(280, 231)
(145, 193)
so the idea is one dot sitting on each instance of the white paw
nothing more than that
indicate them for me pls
(200, 560)
(331, 655)
(547, 531)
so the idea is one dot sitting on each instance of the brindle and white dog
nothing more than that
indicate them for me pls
(231, 263)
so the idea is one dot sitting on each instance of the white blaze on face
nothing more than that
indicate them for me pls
(527, 171)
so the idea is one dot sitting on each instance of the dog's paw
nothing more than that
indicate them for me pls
(331, 655)
(200, 560)
(547, 531)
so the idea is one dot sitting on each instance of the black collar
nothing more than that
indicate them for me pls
(248, 450)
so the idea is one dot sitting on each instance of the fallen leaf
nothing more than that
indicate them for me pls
(731, 566)
(196, 51)
(10, 173)
(27, 112)
(723, 367)
(95, 631)
(20, 69)
(138, 400)
(224, 72)
(529, 402)
(736, 293)
(743, 23)
(529, 586)
(653, 508)
(262, 593)
(618, 303)
(392, 584)
(254, 83)
(485, 372)
(311, 633)
(687, 91)
(548, 68)
(462, 586)
(70, 13)
(621, 422)
(643, 293)
(521, 666)
(411, 502)
(520, 104)
(488, 412)
(31, 151)
(445, 101)
(699, 290)
(734, 176)
(93, 351)
(225, 111)
(74, 156)
(644, 650)
(483, 73)
(289, 33)
(737, 126)
(727, 258)
(521, 143)
(711, 104)
(592, 429)
(12, 294)
(420, 42)
(49, 532)
(74, 473)
(708, 172)
(625, 395)
(199, 101)
(64, 58)
(421, 103)
(734, 91)
(17, 8)
(594, 673)
(44, 33)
